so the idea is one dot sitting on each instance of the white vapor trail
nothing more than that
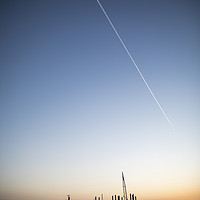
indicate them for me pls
(134, 64)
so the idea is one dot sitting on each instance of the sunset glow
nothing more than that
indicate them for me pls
(76, 112)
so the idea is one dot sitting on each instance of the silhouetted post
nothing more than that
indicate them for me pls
(115, 197)
(95, 198)
(132, 196)
(121, 198)
(68, 198)
(118, 197)
(135, 198)
(112, 197)
(99, 198)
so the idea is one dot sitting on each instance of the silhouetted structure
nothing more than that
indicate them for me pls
(100, 198)
(118, 197)
(124, 187)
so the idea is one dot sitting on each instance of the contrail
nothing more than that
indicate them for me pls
(134, 64)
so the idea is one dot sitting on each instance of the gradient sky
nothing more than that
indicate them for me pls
(75, 112)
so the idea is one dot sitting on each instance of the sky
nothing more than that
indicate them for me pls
(75, 113)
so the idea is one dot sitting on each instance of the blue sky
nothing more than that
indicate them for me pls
(75, 112)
